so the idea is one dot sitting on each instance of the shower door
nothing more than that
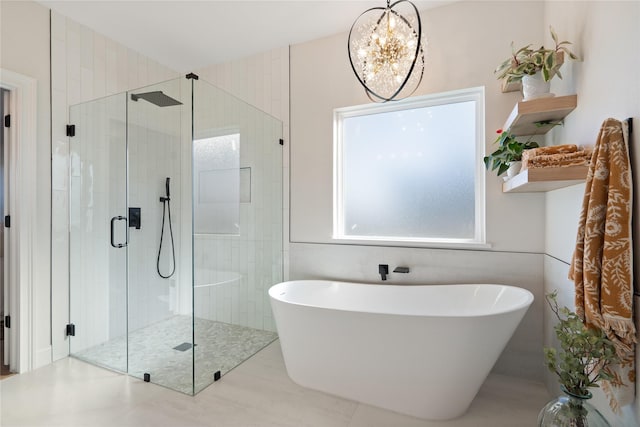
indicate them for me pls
(130, 274)
(98, 233)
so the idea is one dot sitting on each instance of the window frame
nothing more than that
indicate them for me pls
(475, 94)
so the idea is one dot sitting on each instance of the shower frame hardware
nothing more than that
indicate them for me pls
(70, 330)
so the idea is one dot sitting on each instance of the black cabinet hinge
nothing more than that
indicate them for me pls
(7, 321)
(71, 330)
(7, 121)
(71, 130)
(7, 221)
(281, 141)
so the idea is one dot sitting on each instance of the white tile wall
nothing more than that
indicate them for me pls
(85, 66)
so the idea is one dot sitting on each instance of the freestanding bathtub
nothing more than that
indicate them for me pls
(418, 350)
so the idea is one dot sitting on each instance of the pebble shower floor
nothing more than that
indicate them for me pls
(219, 347)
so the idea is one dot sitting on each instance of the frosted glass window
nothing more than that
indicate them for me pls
(409, 171)
(217, 185)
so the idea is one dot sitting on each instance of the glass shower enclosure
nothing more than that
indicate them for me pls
(175, 232)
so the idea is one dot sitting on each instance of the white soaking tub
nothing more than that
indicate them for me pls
(418, 350)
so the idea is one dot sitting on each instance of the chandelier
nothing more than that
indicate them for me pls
(385, 50)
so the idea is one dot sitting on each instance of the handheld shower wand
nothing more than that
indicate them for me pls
(166, 186)
(166, 208)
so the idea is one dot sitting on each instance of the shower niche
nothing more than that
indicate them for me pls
(175, 232)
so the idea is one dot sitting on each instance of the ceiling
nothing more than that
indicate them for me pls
(188, 35)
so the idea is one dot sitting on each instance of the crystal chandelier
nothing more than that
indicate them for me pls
(386, 52)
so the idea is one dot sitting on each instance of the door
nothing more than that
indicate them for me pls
(98, 232)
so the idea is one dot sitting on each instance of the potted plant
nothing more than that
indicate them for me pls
(509, 152)
(585, 353)
(535, 67)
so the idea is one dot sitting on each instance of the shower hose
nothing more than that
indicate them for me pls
(166, 209)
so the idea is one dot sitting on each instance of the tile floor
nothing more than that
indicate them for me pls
(257, 393)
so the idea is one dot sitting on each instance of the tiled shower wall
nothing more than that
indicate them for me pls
(85, 66)
(262, 81)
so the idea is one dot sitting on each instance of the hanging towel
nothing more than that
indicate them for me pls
(602, 265)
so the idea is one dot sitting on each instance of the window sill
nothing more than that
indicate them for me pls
(412, 243)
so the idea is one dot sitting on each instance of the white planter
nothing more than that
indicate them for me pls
(534, 87)
(514, 169)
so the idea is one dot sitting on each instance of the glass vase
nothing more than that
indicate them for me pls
(570, 410)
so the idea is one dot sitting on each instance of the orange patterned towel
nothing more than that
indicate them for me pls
(602, 265)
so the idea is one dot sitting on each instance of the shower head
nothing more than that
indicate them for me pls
(158, 98)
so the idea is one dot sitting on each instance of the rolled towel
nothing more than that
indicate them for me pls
(553, 149)
(558, 160)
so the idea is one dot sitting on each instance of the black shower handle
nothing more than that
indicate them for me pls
(113, 243)
(167, 186)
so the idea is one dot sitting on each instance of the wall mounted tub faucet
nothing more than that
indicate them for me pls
(401, 270)
(383, 270)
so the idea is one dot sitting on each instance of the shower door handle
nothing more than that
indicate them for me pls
(113, 243)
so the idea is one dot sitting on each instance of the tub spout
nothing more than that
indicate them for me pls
(383, 270)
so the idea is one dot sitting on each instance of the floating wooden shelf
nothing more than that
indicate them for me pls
(545, 179)
(526, 116)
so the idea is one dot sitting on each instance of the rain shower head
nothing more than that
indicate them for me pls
(157, 97)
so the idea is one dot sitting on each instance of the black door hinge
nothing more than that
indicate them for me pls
(7, 221)
(71, 130)
(7, 121)
(7, 321)
(281, 141)
(71, 330)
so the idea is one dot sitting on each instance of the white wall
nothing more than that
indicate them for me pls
(462, 52)
(466, 41)
(24, 49)
(606, 36)
(85, 66)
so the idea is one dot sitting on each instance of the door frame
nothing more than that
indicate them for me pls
(22, 202)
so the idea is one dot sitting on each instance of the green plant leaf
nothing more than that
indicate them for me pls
(554, 36)
(585, 353)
